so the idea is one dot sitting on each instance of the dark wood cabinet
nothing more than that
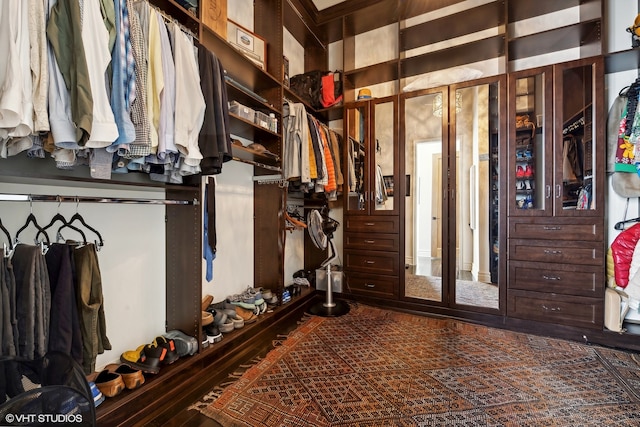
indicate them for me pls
(556, 239)
(371, 198)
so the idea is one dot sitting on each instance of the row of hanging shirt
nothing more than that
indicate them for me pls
(311, 153)
(52, 299)
(105, 83)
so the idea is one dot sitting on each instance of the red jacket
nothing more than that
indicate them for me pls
(622, 251)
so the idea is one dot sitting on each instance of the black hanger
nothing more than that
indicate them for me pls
(77, 217)
(8, 248)
(59, 217)
(5, 231)
(32, 219)
(620, 224)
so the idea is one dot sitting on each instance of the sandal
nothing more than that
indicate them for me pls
(206, 301)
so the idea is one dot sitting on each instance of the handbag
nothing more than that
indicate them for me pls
(616, 306)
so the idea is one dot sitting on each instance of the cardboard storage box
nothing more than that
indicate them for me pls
(250, 44)
(214, 16)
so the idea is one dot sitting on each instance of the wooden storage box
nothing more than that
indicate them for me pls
(214, 16)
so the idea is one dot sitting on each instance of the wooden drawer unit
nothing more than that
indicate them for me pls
(372, 224)
(372, 241)
(555, 229)
(568, 279)
(371, 262)
(374, 285)
(555, 308)
(558, 252)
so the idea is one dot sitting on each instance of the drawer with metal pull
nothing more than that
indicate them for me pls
(568, 279)
(371, 262)
(552, 251)
(382, 286)
(372, 241)
(372, 224)
(555, 308)
(556, 229)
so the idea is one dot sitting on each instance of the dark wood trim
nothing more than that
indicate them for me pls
(489, 15)
(184, 266)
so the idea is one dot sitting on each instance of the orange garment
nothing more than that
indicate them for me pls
(331, 171)
(313, 170)
(335, 149)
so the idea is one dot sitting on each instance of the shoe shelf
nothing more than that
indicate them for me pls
(185, 381)
(525, 170)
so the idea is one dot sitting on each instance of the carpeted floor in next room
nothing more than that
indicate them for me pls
(374, 367)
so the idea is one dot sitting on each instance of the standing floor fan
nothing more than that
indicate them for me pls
(321, 228)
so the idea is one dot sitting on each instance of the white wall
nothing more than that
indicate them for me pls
(233, 266)
(621, 16)
(132, 261)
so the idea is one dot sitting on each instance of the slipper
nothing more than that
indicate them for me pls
(247, 315)
(206, 301)
(110, 384)
(238, 322)
(227, 326)
(207, 318)
(132, 378)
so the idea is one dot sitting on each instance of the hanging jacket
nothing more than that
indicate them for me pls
(633, 287)
(622, 251)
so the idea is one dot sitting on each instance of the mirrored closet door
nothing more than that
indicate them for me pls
(452, 214)
(425, 115)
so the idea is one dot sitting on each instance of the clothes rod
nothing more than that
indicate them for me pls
(90, 199)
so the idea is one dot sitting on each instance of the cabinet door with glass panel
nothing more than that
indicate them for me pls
(371, 157)
(530, 135)
(579, 138)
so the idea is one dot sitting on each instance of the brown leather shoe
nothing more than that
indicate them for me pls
(109, 383)
(133, 378)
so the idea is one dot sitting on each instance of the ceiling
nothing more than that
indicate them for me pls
(327, 10)
(325, 4)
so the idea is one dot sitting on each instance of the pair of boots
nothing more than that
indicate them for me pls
(524, 172)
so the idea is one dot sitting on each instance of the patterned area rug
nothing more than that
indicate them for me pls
(467, 292)
(374, 367)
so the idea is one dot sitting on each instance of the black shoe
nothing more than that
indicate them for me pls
(171, 354)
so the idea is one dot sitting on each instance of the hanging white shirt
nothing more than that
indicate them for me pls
(95, 37)
(16, 99)
(190, 105)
